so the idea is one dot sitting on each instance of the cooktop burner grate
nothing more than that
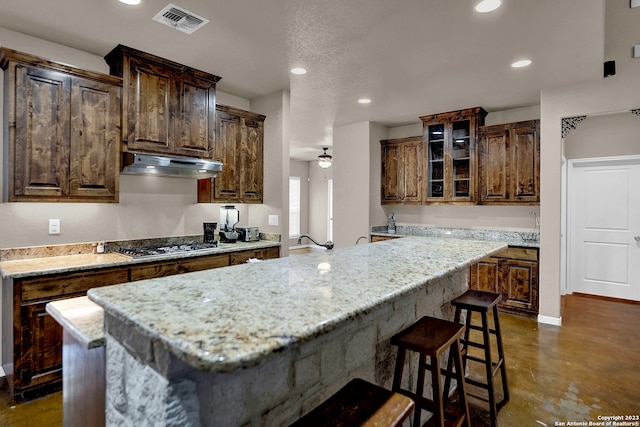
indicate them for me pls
(149, 251)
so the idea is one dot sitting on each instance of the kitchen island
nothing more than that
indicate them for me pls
(263, 343)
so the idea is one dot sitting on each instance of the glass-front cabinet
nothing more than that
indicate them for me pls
(451, 141)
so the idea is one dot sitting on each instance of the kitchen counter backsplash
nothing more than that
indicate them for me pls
(513, 238)
(13, 254)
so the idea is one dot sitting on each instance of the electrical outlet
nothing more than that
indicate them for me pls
(273, 219)
(54, 226)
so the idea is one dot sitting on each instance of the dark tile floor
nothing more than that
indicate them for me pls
(589, 367)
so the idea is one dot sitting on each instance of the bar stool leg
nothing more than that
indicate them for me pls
(447, 379)
(438, 413)
(422, 366)
(503, 368)
(463, 404)
(489, 368)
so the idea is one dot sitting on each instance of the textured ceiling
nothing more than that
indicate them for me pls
(411, 57)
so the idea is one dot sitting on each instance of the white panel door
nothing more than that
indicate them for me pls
(605, 227)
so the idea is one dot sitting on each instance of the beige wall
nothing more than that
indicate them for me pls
(603, 136)
(351, 181)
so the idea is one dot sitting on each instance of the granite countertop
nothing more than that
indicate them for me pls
(80, 317)
(44, 265)
(224, 319)
(510, 237)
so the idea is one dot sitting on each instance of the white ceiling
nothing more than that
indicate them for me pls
(411, 57)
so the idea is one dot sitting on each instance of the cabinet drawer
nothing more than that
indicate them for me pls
(525, 254)
(150, 271)
(243, 256)
(64, 284)
(382, 238)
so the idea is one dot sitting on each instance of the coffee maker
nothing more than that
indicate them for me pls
(229, 217)
(209, 232)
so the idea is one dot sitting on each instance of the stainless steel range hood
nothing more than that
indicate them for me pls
(180, 167)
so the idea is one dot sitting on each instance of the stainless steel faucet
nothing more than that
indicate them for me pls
(328, 245)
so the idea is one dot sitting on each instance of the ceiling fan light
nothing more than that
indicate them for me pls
(324, 159)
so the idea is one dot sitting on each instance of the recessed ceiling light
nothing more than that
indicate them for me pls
(521, 63)
(130, 2)
(364, 101)
(298, 71)
(488, 6)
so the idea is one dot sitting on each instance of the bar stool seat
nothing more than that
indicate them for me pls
(482, 302)
(431, 337)
(360, 403)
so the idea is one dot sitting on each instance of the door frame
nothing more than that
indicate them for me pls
(568, 202)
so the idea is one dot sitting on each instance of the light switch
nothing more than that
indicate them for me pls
(636, 51)
(273, 219)
(54, 226)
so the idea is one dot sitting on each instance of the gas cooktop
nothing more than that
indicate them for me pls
(150, 251)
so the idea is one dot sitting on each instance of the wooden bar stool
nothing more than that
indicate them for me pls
(360, 403)
(481, 302)
(431, 337)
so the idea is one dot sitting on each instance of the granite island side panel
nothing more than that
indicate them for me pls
(263, 343)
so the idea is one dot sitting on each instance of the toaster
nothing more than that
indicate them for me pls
(248, 234)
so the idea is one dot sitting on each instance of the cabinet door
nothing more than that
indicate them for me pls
(196, 117)
(485, 275)
(510, 163)
(451, 141)
(41, 347)
(402, 170)
(150, 100)
(411, 171)
(520, 285)
(494, 175)
(95, 140)
(391, 180)
(525, 168)
(251, 161)
(41, 162)
(437, 166)
(226, 186)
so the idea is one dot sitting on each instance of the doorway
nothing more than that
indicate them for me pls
(604, 227)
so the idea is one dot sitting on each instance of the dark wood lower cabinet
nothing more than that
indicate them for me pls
(34, 362)
(512, 273)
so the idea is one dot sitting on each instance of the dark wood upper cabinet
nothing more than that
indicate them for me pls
(402, 169)
(240, 147)
(63, 127)
(168, 108)
(510, 163)
(451, 144)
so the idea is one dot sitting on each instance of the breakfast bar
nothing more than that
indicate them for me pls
(263, 343)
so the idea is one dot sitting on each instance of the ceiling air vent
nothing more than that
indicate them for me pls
(180, 19)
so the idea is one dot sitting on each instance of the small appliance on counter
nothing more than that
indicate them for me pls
(248, 234)
(209, 235)
(391, 224)
(229, 217)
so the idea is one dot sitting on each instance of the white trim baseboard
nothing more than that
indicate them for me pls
(548, 320)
